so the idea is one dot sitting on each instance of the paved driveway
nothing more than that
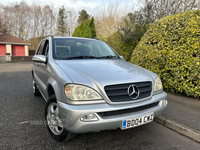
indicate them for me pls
(22, 126)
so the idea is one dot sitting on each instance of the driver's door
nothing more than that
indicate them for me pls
(41, 68)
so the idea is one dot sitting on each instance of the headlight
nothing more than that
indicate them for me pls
(158, 85)
(80, 92)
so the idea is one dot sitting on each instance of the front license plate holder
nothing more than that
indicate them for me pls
(134, 122)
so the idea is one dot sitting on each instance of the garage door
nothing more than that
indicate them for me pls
(18, 50)
(2, 50)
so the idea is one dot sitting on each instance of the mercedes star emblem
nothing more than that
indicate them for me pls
(133, 91)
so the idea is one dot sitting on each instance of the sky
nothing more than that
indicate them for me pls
(89, 5)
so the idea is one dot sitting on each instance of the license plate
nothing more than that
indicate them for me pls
(130, 123)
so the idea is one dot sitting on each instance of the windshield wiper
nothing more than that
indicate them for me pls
(89, 57)
(82, 57)
(109, 56)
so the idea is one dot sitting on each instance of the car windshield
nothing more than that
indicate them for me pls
(69, 48)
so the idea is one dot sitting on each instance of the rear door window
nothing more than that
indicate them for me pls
(40, 49)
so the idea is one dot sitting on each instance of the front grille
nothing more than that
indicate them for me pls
(118, 93)
(125, 111)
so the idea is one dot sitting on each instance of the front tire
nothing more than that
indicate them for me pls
(54, 123)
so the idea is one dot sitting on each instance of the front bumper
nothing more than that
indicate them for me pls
(71, 114)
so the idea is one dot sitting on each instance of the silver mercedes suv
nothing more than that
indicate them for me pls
(89, 87)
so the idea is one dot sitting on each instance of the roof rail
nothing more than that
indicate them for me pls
(49, 35)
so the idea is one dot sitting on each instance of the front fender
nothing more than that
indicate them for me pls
(57, 80)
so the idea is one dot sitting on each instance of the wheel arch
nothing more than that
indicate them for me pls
(51, 90)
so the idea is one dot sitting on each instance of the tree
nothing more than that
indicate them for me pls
(132, 29)
(37, 10)
(86, 30)
(61, 22)
(109, 18)
(46, 20)
(122, 48)
(34, 42)
(83, 16)
(136, 24)
(89, 30)
(79, 31)
(2, 27)
(17, 18)
(163, 8)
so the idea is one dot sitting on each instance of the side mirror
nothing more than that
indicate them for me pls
(39, 58)
(122, 57)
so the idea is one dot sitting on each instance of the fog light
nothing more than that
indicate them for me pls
(89, 117)
(164, 102)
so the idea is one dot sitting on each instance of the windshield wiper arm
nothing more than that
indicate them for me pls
(82, 57)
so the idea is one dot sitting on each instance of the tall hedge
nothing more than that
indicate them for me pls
(171, 49)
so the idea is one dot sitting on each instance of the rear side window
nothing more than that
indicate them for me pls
(46, 48)
(39, 52)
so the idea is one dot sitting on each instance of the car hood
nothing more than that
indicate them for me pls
(102, 72)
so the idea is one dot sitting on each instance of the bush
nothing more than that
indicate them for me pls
(121, 47)
(171, 49)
